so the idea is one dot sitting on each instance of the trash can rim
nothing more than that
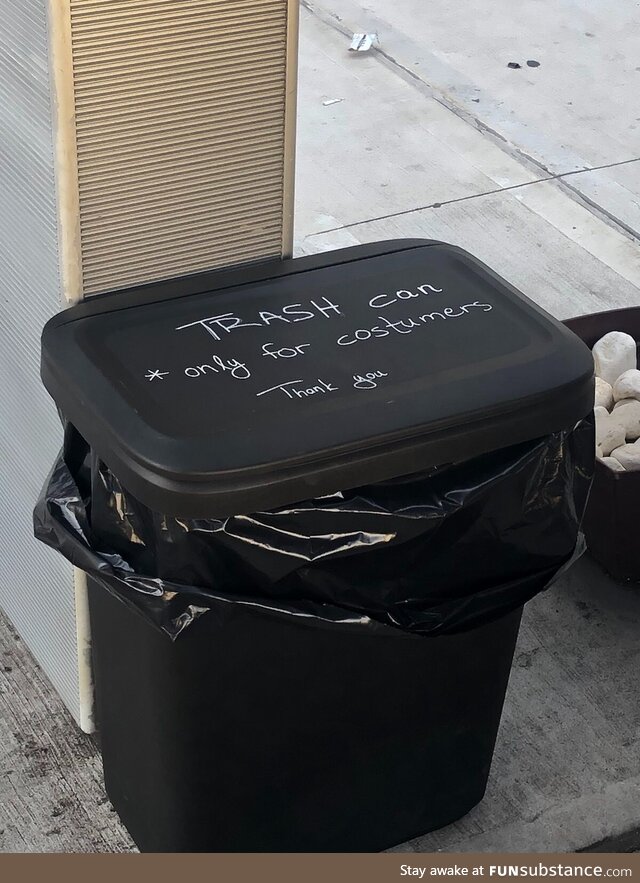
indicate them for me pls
(546, 386)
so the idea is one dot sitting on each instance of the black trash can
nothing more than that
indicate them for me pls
(312, 497)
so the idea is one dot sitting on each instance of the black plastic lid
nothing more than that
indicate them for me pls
(229, 392)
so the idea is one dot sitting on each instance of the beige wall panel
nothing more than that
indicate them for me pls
(183, 134)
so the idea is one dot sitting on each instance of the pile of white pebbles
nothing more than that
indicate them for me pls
(617, 402)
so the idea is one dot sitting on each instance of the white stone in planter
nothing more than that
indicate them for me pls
(604, 394)
(600, 414)
(613, 464)
(610, 434)
(627, 386)
(622, 404)
(614, 354)
(627, 412)
(628, 456)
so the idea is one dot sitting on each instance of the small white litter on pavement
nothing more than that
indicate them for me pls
(363, 42)
(330, 101)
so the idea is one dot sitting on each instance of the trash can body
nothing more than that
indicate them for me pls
(268, 734)
(318, 494)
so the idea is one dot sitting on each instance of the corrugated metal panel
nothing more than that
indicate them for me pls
(180, 127)
(36, 585)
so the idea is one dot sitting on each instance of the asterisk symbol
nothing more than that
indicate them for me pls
(155, 375)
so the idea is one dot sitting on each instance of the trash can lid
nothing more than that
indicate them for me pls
(232, 391)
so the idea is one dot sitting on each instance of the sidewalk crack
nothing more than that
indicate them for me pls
(557, 177)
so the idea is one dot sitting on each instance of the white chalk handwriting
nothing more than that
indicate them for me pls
(155, 375)
(284, 352)
(297, 389)
(386, 300)
(225, 323)
(408, 325)
(368, 380)
(238, 370)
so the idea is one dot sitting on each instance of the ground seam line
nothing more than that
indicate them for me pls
(435, 205)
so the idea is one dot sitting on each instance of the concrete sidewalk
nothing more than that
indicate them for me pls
(536, 171)
(566, 772)
(435, 136)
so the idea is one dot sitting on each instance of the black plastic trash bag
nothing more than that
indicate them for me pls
(429, 553)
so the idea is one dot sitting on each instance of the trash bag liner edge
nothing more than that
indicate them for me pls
(431, 553)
